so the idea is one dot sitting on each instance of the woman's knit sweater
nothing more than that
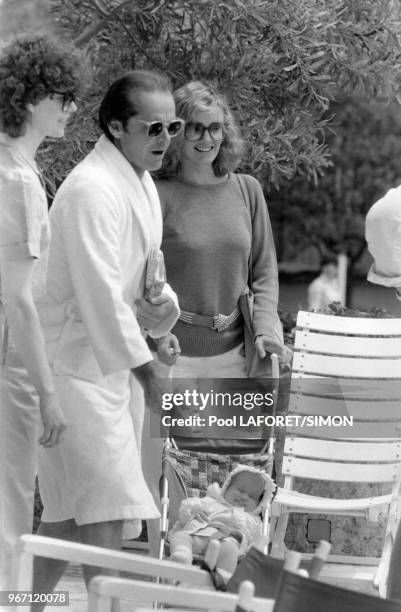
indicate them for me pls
(208, 233)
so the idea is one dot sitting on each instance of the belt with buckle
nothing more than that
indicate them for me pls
(219, 322)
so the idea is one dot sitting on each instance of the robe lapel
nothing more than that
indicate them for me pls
(141, 195)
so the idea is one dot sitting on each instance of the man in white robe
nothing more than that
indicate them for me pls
(105, 222)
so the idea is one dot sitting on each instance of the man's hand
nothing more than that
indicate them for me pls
(151, 378)
(263, 345)
(150, 314)
(53, 420)
(168, 349)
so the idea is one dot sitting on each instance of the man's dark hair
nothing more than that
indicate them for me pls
(121, 97)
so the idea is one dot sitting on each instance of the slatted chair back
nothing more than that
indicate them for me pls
(344, 417)
(338, 377)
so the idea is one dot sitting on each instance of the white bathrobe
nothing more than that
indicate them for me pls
(104, 222)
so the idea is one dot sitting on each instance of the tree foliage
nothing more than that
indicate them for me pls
(280, 62)
(366, 152)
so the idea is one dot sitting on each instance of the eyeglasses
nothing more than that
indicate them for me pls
(67, 98)
(155, 128)
(195, 131)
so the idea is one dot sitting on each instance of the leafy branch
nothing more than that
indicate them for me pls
(83, 39)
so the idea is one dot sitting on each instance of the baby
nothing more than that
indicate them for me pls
(230, 514)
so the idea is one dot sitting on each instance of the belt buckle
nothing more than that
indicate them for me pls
(220, 322)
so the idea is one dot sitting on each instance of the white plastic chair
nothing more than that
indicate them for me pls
(32, 545)
(345, 366)
(103, 589)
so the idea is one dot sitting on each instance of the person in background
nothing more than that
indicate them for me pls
(325, 288)
(215, 227)
(383, 236)
(106, 232)
(39, 78)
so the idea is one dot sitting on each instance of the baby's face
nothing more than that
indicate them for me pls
(245, 491)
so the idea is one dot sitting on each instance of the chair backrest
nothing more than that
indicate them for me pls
(345, 370)
(298, 594)
(30, 546)
(103, 589)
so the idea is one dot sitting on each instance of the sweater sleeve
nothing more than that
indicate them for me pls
(264, 263)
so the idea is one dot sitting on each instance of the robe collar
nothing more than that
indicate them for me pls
(141, 193)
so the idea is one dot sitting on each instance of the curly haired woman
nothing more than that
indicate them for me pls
(38, 82)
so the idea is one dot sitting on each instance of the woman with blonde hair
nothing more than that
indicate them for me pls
(217, 240)
(215, 227)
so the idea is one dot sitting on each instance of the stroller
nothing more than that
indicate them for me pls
(188, 473)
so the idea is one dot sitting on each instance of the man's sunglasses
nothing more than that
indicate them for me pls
(155, 128)
(195, 131)
(67, 98)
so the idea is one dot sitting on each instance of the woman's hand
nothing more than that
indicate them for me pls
(168, 349)
(264, 344)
